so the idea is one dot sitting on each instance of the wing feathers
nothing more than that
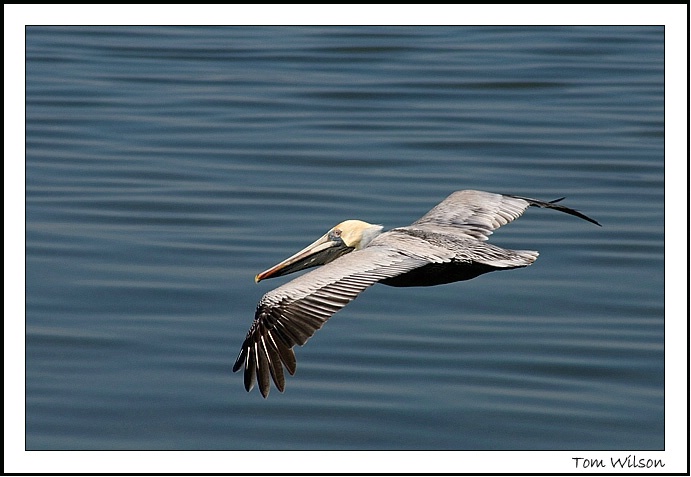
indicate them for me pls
(552, 205)
(476, 214)
(453, 231)
(292, 313)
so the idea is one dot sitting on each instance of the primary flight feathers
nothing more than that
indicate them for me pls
(447, 244)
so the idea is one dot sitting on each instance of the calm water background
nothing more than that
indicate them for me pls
(165, 167)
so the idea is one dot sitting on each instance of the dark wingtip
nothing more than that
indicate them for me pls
(578, 214)
(249, 378)
(552, 204)
(239, 361)
(262, 358)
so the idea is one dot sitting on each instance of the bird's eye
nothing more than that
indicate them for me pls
(336, 233)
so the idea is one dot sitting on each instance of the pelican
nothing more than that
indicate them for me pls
(448, 244)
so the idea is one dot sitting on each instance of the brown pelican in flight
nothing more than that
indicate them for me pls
(447, 244)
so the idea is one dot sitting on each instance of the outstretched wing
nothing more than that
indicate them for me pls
(476, 214)
(292, 313)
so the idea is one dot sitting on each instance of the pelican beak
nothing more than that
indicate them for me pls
(326, 249)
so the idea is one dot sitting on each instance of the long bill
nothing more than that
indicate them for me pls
(322, 251)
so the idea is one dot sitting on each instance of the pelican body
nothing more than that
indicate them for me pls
(448, 244)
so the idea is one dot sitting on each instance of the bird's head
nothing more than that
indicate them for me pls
(344, 238)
